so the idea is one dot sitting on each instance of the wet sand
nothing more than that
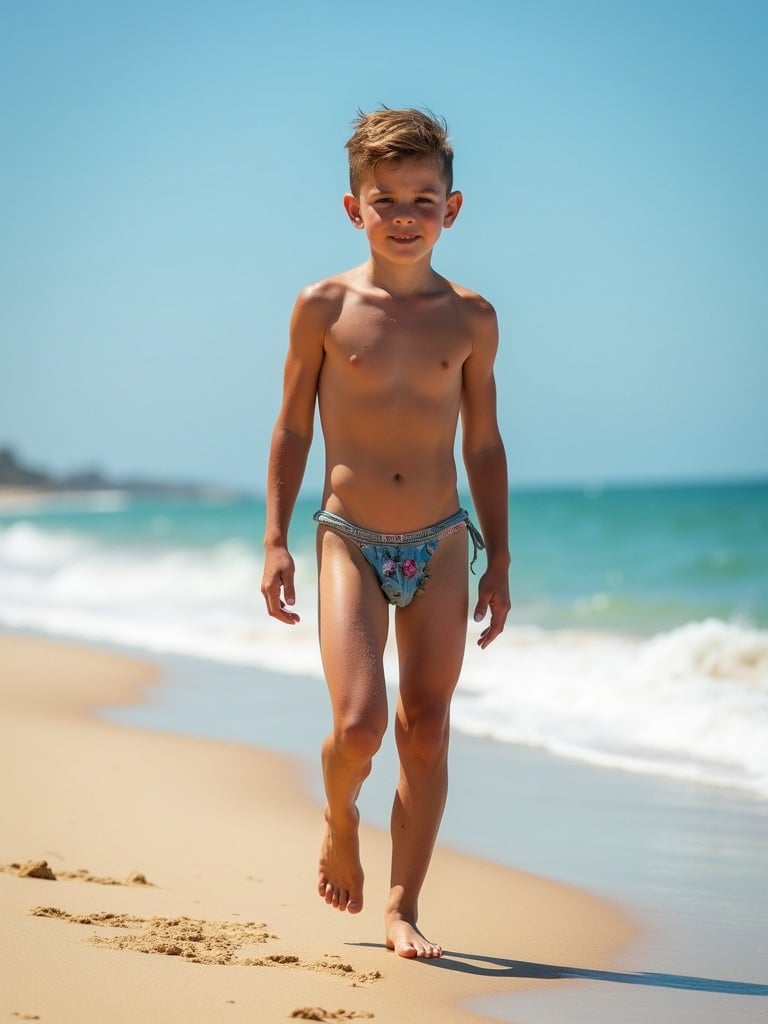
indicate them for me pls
(183, 880)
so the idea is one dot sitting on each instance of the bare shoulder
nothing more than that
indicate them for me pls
(330, 289)
(325, 295)
(478, 315)
(318, 305)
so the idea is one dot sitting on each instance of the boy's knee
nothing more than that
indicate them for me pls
(425, 738)
(359, 739)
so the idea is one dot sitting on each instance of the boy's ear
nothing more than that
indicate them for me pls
(452, 207)
(352, 206)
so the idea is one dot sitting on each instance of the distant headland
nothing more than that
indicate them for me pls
(18, 477)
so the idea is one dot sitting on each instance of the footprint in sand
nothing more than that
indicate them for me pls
(198, 941)
(318, 1013)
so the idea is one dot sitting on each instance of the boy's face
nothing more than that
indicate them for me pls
(403, 206)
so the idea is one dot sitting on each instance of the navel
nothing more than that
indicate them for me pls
(354, 359)
(398, 478)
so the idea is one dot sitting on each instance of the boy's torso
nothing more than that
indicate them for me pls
(389, 394)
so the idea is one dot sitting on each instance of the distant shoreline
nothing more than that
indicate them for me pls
(22, 485)
(13, 497)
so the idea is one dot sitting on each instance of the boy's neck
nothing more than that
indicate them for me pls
(401, 281)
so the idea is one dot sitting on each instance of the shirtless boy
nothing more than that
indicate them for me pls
(394, 354)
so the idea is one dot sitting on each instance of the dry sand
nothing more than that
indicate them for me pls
(156, 878)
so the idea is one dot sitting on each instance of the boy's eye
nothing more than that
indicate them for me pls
(424, 199)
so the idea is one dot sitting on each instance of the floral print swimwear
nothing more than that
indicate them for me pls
(400, 560)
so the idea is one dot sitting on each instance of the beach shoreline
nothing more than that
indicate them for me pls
(687, 859)
(226, 835)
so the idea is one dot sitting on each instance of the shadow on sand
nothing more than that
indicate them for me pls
(497, 967)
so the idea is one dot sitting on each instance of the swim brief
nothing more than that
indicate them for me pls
(401, 560)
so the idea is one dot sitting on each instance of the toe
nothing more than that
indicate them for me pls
(407, 941)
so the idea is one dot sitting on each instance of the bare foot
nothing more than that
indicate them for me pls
(340, 874)
(406, 939)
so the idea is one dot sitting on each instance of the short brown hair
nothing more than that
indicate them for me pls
(390, 135)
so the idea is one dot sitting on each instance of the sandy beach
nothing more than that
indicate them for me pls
(183, 878)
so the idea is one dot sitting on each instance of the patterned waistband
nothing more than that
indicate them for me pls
(362, 536)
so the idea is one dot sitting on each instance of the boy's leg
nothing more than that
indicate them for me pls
(354, 618)
(431, 637)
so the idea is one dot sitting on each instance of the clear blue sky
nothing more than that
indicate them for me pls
(172, 174)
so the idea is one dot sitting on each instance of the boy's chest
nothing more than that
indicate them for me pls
(394, 344)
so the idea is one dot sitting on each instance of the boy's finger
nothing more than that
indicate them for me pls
(499, 610)
(488, 635)
(276, 607)
(484, 600)
(289, 599)
(279, 611)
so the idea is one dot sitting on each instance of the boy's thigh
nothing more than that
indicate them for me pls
(353, 619)
(432, 629)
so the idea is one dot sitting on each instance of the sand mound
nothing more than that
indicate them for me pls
(41, 869)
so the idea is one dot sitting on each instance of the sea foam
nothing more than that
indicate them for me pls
(690, 702)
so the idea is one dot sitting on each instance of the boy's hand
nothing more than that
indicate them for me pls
(279, 570)
(493, 593)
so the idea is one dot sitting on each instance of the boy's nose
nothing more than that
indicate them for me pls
(403, 217)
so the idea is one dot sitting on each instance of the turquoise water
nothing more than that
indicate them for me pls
(638, 637)
(638, 559)
(642, 559)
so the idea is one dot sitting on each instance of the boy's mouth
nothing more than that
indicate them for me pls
(404, 238)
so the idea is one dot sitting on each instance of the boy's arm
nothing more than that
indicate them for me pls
(486, 465)
(291, 441)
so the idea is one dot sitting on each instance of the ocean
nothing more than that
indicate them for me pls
(638, 639)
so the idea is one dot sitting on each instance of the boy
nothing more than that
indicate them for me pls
(394, 354)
